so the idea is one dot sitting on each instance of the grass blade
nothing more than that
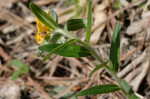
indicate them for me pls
(115, 48)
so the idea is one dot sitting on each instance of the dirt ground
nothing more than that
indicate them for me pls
(60, 77)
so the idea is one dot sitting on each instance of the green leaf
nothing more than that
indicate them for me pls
(97, 68)
(133, 96)
(89, 21)
(75, 24)
(15, 75)
(56, 37)
(68, 49)
(43, 16)
(117, 4)
(115, 48)
(101, 89)
(70, 95)
(73, 51)
(59, 89)
(16, 63)
(52, 48)
(21, 69)
(48, 47)
(127, 88)
(24, 68)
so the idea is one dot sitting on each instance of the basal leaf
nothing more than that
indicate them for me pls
(101, 89)
(115, 48)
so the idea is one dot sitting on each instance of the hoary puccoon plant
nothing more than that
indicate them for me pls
(55, 38)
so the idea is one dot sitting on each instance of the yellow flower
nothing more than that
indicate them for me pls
(41, 27)
(39, 38)
(42, 32)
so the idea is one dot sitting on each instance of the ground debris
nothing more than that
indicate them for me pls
(10, 90)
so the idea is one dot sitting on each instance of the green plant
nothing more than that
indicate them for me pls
(62, 42)
(21, 69)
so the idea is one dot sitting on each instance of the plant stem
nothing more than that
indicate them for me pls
(93, 52)
(85, 44)
(89, 21)
(65, 33)
(126, 88)
(123, 84)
